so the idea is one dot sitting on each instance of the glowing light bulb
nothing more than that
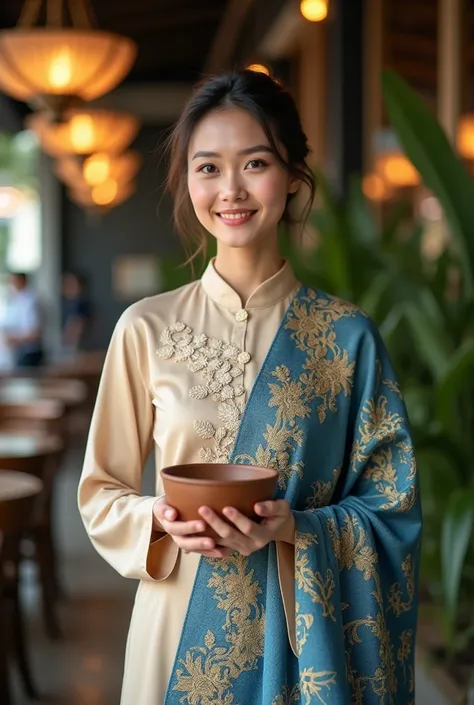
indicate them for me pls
(465, 137)
(104, 194)
(400, 172)
(314, 10)
(258, 68)
(60, 70)
(96, 169)
(82, 133)
(375, 188)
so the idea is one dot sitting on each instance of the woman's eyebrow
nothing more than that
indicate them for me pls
(246, 151)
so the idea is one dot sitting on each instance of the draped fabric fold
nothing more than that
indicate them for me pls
(327, 412)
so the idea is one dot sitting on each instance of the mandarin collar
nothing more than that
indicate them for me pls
(268, 293)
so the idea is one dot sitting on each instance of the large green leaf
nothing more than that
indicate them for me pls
(457, 377)
(429, 339)
(456, 537)
(428, 148)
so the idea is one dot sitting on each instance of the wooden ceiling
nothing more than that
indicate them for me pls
(173, 36)
(411, 46)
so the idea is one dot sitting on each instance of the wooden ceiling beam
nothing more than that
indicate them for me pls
(405, 16)
(227, 35)
(412, 44)
(136, 28)
(415, 72)
(143, 17)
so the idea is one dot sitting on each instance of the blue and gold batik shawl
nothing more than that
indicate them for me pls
(326, 411)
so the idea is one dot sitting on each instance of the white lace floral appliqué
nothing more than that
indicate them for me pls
(217, 362)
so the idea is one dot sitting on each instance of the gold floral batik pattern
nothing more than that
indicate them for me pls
(328, 372)
(207, 672)
(220, 365)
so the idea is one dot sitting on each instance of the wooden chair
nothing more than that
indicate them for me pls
(18, 499)
(43, 422)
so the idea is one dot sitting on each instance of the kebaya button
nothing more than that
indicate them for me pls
(241, 315)
(243, 358)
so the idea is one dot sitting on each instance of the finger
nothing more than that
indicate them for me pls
(245, 525)
(183, 528)
(276, 508)
(222, 528)
(195, 545)
(165, 512)
(218, 552)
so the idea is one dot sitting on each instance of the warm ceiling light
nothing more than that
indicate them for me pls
(10, 201)
(100, 167)
(375, 188)
(104, 194)
(52, 66)
(398, 170)
(465, 136)
(259, 68)
(85, 132)
(69, 171)
(82, 134)
(96, 169)
(314, 10)
(85, 198)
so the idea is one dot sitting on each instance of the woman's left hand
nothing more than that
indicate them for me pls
(241, 534)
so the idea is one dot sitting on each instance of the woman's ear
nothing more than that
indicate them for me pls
(293, 184)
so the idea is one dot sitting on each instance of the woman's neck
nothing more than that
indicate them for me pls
(244, 270)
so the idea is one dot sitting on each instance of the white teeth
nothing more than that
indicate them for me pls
(234, 216)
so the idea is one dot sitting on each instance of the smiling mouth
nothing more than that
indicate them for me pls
(236, 218)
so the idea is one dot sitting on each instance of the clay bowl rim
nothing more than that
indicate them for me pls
(268, 473)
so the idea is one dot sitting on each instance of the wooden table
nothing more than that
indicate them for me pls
(18, 494)
(71, 392)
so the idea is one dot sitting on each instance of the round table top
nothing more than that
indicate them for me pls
(70, 392)
(16, 485)
(26, 445)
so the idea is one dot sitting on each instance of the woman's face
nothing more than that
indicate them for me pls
(237, 186)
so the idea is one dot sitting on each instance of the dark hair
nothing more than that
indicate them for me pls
(22, 276)
(80, 277)
(273, 108)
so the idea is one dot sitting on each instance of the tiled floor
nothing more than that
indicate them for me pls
(85, 667)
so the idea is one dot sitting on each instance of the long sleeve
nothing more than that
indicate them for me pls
(118, 519)
(355, 561)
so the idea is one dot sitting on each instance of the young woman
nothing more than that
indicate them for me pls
(317, 603)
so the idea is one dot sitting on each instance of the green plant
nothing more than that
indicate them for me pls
(448, 332)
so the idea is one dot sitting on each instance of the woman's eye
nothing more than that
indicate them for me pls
(256, 164)
(207, 169)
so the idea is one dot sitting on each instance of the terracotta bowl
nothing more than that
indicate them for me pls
(188, 487)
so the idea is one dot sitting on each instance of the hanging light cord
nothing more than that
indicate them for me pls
(80, 11)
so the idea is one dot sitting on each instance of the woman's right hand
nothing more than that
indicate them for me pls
(183, 532)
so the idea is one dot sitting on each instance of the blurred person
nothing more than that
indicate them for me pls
(75, 311)
(316, 601)
(21, 324)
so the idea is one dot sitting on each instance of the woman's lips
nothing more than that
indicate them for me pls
(237, 218)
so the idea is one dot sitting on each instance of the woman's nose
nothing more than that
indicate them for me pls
(233, 188)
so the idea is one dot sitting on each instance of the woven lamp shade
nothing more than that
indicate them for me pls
(98, 168)
(85, 132)
(86, 198)
(39, 62)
